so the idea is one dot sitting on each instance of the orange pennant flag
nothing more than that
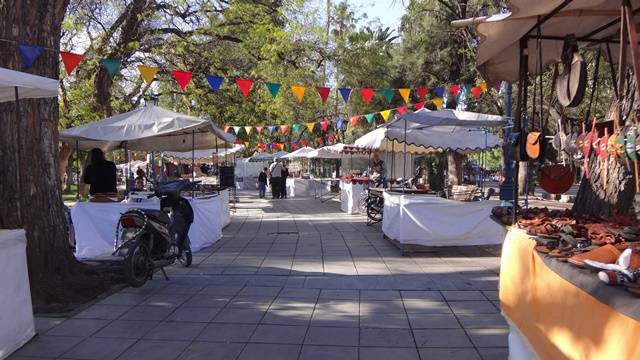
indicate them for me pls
(284, 128)
(437, 102)
(298, 91)
(385, 114)
(148, 73)
(354, 120)
(405, 94)
(483, 86)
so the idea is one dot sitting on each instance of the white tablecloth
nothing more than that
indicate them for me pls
(433, 221)
(519, 347)
(95, 224)
(16, 313)
(350, 195)
(225, 208)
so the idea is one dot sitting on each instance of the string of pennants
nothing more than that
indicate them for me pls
(71, 61)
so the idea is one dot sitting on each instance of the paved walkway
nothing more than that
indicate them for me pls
(295, 279)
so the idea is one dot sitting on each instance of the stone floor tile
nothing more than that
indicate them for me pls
(194, 314)
(145, 312)
(279, 334)
(379, 295)
(433, 321)
(227, 332)
(44, 323)
(99, 349)
(480, 321)
(332, 336)
(339, 294)
(489, 337)
(494, 353)
(123, 298)
(77, 327)
(99, 311)
(375, 306)
(449, 353)
(269, 352)
(299, 293)
(426, 307)
(240, 316)
(126, 329)
(421, 295)
(175, 331)
(441, 338)
(260, 291)
(313, 352)
(202, 300)
(46, 346)
(170, 300)
(154, 350)
(381, 353)
(384, 320)
(211, 351)
(386, 338)
(472, 307)
(463, 295)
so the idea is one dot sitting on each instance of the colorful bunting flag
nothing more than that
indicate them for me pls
(281, 146)
(325, 125)
(385, 114)
(215, 82)
(262, 146)
(284, 129)
(354, 120)
(418, 106)
(387, 93)
(366, 94)
(70, 60)
(112, 66)
(339, 124)
(248, 129)
(497, 85)
(477, 91)
(298, 91)
(422, 92)
(483, 86)
(246, 144)
(297, 128)
(310, 126)
(439, 91)
(274, 88)
(323, 91)
(405, 94)
(437, 102)
(182, 77)
(295, 146)
(401, 110)
(369, 117)
(148, 73)
(345, 92)
(259, 130)
(455, 89)
(236, 129)
(226, 128)
(303, 142)
(272, 129)
(245, 86)
(238, 142)
(29, 54)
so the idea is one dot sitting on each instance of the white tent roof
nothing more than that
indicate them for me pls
(425, 140)
(297, 154)
(150, 128)
(327, 152)
(498, 51)
(29, 86)
(265, 156)
(204, 155)
(426, 118)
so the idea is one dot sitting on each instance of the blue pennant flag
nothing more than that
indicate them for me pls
(345, 92)
(214, 82)
(29, 54)
(236, 129)
(272, 129)
(439, 91)
(339, 123)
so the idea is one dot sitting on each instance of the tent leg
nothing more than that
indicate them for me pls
(404, 159)
(193, 162)
(18, 140)
(77, 172)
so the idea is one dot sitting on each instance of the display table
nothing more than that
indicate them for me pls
(225, 207)
(433, 221)
(95, 224)
(560, 311)
(16, 313)
(350, 196)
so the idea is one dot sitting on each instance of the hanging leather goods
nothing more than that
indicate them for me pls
(632, 139)
(556, 179)
(533, 144)
(604, 156)
(591, 139)
(571, 83)
(580, 141)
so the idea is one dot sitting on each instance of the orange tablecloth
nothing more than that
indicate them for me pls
(559, 320)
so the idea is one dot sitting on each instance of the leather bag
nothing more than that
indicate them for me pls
(556, 179)
(571, 84)
(534, 140)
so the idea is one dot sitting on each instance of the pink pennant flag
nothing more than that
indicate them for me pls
(227, 128)
(325, 125)
(259, 129)
(284, 128)
(401, 110)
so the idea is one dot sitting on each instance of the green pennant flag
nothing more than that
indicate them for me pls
(388, 94)
(297, 128)
(467, 89)
(273, 88)
(369, 118)
(112, 66)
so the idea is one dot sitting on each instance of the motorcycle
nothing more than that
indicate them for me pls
(150, 239)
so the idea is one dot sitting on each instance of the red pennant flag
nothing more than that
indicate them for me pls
(182, 77)
(354, 120)
(238, 142)
(323, 92)
(477, 91)
(262, 146)
(295, 146)
(422, 92)
(454, 90)
(227, 128)
(70, 60)
(366, 94)
(325, 125)
(259, 129)
(418, 106)
(333, 138)
(284, 128)
(303, 142)
(245, 86)
(401, 110)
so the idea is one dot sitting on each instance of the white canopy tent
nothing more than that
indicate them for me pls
(498, 51)
(298, 154)
(327, 152)
(150, 128)
(16, 85)
(265, 156)
(202, 156)
(446, 117)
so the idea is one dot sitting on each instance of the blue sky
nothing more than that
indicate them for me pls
(389, 12)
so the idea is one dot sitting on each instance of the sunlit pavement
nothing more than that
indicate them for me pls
(295, 279)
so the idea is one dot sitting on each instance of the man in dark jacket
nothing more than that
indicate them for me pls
(285, 175)
(262, 183)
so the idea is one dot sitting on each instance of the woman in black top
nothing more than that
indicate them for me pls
(100, 174)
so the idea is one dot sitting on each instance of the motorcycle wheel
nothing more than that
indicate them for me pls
(186, 258)
(137, 265)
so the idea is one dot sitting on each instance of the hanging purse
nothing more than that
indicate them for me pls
(556, 179)
(571, 84)
(533, 144)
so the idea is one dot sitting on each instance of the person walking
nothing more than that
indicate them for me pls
(285, 175)
(276, 179)
(262, 183)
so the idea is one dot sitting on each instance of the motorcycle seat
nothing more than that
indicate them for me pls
(158, 215)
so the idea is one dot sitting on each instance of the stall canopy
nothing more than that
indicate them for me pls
(298, 154)
(147, 129)
(265, 156)
(426, 140)
(327, 152)
(28, 86)
(447, 117)
(498, 52)
(205, 155)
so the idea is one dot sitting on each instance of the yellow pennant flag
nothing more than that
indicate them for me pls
(248, 129)
(405, 94)
(310, 126)
(437, 102)
(483, 86)
(148, 72)
(246, 144)
(298, 91)
(385, 114)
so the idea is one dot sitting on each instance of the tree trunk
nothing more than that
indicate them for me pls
(454, 168)
(31, 195)
(527, 171)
